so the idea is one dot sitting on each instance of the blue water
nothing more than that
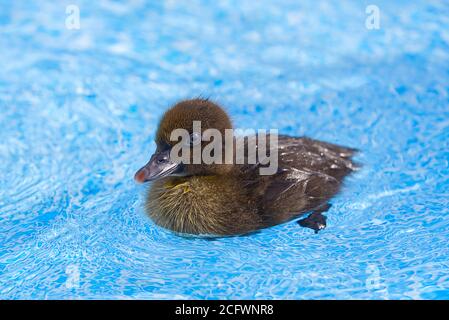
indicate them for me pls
(78, 111)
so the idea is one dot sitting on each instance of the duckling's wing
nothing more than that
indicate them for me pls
(315, 156)
(309, 173)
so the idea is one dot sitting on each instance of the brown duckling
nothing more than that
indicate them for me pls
(232, 199)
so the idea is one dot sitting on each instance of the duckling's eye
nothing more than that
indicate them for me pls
(195, 138)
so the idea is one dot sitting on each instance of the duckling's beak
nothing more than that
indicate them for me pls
(158, 167)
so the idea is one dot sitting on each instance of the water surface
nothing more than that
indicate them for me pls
(78, 111)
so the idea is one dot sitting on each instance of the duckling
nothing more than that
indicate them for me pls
(234, 199)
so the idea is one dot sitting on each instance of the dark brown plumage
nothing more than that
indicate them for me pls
(224, 199)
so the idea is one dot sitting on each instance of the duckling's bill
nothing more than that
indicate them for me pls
(158, 167)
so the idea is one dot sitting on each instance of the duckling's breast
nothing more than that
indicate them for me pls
(201, 205)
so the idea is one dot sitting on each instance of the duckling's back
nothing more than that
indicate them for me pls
(309, 173)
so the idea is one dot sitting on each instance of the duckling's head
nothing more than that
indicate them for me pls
(186, 115)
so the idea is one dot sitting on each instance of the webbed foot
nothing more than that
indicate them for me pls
(316, 220)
